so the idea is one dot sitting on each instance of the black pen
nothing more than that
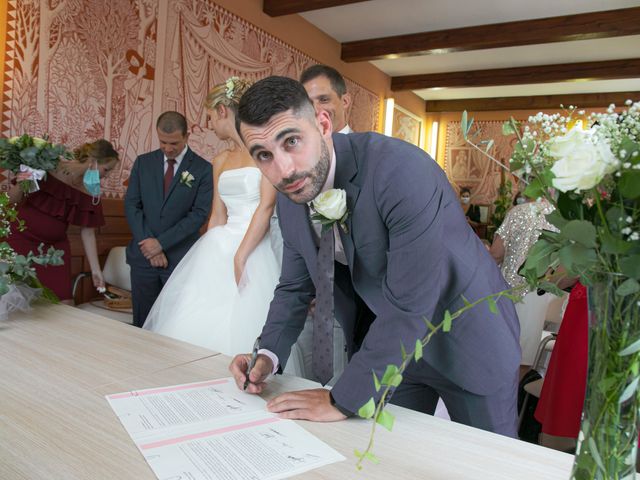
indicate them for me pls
(252, 363)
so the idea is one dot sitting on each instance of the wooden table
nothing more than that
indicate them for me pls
(58, 363)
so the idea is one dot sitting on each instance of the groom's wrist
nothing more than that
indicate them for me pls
(273, 357)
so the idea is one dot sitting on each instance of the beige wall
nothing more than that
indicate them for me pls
(296, 31)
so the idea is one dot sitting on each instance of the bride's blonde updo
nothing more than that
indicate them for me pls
(227, 94)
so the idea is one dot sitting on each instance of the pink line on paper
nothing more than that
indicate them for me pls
(152, 391)
(209, 433)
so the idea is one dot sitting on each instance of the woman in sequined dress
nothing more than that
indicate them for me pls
(511, 244)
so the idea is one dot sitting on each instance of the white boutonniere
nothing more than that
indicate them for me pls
(331, 207)
(187, 179)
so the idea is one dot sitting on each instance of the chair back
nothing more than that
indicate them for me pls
(116, 270)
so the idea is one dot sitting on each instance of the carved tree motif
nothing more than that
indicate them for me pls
(109, 29)
(24, 68)
(51, 13)
(147, 12)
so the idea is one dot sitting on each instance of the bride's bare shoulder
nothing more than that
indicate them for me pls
(220, 160)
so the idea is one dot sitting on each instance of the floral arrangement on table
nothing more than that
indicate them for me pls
(588, 168)
(19, 285)
(35, 155)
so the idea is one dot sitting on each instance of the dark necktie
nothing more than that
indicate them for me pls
(168, 175)
(322, 352)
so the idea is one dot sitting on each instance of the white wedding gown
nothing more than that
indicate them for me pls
(201, 303)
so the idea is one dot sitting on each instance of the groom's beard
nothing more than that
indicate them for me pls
(317, 178)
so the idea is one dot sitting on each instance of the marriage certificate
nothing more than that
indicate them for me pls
(211, 430)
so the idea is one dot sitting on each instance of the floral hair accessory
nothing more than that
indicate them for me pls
(230, 87)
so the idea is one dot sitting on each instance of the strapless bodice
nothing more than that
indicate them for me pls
(239, 189)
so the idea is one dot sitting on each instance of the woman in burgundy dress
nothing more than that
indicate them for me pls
(70, 195)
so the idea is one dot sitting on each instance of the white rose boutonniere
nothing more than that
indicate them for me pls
(331, 207)
(187, 179)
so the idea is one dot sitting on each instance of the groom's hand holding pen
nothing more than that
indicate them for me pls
(250, 371)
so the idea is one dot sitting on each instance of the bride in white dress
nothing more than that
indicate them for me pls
(218, 296)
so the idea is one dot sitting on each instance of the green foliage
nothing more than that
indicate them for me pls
(630, 184)
(33, 152)
(417, 354)
(368, 409)
(16, 268)
(446, 322)
(393, 374)
(628, 287)
(385, 419)
(501, 205)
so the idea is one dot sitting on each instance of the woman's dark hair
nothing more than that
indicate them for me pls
(170, 122)
(271, 96)
(465, 190)
(101, 150)
(337, 82)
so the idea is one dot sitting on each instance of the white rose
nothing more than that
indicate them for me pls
(39, 142)
(331, 204)
(13, 140)
(580, 164)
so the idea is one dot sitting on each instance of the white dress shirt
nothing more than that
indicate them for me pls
(339, 248)
(328, 185)
(346, 129)
(178, 159)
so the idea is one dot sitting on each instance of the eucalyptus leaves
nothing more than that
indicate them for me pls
(588, 167)
(30, 154)
(18, 269)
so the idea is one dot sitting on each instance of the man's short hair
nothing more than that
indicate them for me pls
(315, 71)
(271, 96)
(170, 122)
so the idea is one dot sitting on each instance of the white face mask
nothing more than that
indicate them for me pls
(465, 200)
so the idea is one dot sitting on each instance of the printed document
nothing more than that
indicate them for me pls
(211, 430)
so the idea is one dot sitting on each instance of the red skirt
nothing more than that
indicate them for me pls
(559, 409)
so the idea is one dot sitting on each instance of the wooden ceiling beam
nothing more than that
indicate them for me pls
(277, 8)
(585, 26)
(537, 102)
(564, 72)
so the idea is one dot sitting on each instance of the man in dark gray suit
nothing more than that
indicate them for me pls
(409, 255)
(167, 201)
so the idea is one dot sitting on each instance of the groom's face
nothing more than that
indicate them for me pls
(293, 152)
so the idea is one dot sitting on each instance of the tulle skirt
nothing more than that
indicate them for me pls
(201, 303)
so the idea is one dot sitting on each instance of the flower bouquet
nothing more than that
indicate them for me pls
(32, 155)
(588, 167)
(19, 285)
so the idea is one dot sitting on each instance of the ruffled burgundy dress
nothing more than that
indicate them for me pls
(47, 214)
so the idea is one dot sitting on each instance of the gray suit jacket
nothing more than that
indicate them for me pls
(411, 255)
(175, 220)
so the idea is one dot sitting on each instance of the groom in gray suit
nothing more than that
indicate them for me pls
(409, 254)
(167, 201)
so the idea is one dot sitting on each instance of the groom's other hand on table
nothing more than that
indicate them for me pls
(159, 261)
(150, 247)
(314, 405)
(257, 376)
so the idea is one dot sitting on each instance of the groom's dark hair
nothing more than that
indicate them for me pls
(271, 96)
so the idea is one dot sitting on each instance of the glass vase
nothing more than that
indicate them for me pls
(608, 439)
